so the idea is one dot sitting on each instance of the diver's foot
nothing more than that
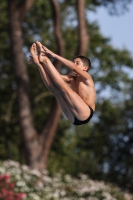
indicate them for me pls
(41, 54)
(34, 54)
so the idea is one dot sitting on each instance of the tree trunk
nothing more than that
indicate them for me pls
(22, 80)
(36, 150)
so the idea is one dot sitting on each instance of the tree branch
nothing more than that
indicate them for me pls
(57, 31)
(24, 8)
(82, 29)
(49, 130)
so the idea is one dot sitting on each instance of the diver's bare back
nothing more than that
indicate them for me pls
(85, 89)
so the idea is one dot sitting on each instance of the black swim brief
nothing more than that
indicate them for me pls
(79, 122)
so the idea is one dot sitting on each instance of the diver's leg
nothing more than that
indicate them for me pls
(76, 104)
(50, 85)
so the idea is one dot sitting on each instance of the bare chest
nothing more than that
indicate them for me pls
(85, 90)
(79, 86)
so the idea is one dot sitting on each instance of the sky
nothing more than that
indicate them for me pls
(118, 28)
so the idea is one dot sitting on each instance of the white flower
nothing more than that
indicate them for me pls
(68, 178)
(35, 172)
(26, 189)
(128, 196)
(83, 176)
(2, 170)
(108, 196)
(45, 172)
(33, 196)
(27, 177)
(39, 185)
(25, 168)
(56, 194)
(66, 198)
(17, 176)
(62, 193)
(83, 190)
(20, 183)
(47, 189)
(11, 163)
(47, 179)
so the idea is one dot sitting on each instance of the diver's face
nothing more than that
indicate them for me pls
(78, 62)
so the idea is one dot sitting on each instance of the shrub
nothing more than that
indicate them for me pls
(7, 189)
(40, 186)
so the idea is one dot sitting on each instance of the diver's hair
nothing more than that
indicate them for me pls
(86, 61)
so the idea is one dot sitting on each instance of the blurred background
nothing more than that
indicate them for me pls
(33, 130)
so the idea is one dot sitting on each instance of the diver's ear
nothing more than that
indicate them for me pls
(85, 68)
